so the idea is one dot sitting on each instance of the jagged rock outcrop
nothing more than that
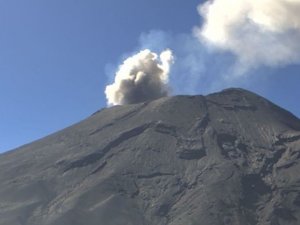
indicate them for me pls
(226, 158)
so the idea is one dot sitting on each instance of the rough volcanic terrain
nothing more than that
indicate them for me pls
(229, 158)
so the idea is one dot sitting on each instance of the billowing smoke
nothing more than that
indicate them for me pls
(236, 37)
(189, 69)
(258, 32)
(141, 77)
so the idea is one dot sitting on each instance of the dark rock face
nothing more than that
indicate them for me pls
(226, 158)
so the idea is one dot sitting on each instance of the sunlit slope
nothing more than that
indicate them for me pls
(226, 158)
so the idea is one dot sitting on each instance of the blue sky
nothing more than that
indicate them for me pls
(56, 57)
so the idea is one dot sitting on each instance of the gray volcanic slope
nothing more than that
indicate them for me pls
(227, 158)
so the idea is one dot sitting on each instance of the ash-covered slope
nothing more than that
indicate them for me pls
(226, 158)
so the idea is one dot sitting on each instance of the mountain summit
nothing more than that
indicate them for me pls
(229, 158)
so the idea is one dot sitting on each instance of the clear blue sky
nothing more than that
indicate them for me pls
(56, 56)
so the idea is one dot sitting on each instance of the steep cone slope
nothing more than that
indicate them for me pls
(227, 158)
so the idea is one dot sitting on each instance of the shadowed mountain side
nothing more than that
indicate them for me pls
(226, 158)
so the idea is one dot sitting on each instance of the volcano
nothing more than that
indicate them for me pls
(228, 158)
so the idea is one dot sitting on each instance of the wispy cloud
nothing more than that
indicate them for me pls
(236, 39)
(258, 32)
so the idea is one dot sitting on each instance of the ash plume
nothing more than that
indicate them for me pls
(236, 41)
(258, 32)
(141, 77)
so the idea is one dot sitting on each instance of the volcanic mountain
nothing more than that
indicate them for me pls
(228, 158)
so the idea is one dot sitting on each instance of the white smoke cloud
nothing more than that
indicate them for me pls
(236, 37)
(258, 32)
(190, 68)
(141, 77)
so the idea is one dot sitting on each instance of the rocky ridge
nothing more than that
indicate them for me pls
(226, 158)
